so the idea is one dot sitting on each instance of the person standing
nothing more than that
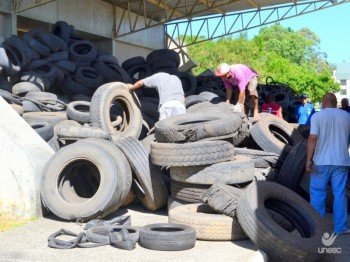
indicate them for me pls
(171, 93)
(272, 107)
(328, 160)
(304, 111)
(242, 77)
(345, 105)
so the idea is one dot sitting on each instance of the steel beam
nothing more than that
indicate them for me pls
(20, 7)
(208, 28)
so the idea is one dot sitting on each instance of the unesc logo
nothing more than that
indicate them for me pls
(327, 241)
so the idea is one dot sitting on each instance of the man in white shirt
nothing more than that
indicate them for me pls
(328, 159)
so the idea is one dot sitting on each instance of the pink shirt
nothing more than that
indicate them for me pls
(241, 75)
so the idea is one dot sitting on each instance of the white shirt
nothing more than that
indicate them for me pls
(332, 128)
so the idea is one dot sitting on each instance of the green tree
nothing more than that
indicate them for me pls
(291, 57)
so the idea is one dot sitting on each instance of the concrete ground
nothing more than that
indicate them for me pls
(29, 243)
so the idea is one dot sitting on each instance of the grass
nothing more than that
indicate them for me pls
(9, 223)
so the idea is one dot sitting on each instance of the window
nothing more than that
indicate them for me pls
(343, 92)
(343, 82)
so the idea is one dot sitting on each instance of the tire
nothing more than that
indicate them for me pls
(283, 138)
(150, 109)
(208, 224)
(293, 167)
(68, 132)
(193, 99)
(121, 161)
(62, 30)
(165, 54)
(172, 203)
(208, 96)
(191, 154)
(58, 56)
(65, 192)
(66, 65)
(10, 98)
(51, 117)
(281, 220)
(23, 88)
(44, 130)
(87, 76)
(133, 61)
(130, 198)
(100, 110)
(47, 71)
(195, 126)
(167, 237)
(82, 52)
(29, 106)
(111, 72)
(37, 63)
(260, 158)
(189, 83)
(162, 63)
(20, 50)
(148, 176)
(142, 70)
(33, 42)
(107, 58)
(19, 109)
(189, 193)
(41, 96)
(148, 140)
(239, 170)
(267, 234)
(79, 111)
(223, 199)
(9, 62)
(42, 82)
(102, 234)
(71, 87)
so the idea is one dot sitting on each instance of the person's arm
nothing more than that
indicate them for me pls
(229, 92)
(241, 96)
(311, 145)
(279, 112)
(135, 86)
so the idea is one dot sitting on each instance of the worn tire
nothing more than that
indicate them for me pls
(191, 154)
(189, 193)
(51, 117)
(267, 234)
(79, 111)
(223, 198)
(273, 134)
(23, 88)
(43, 129)
(100, 109)
(196, 126)
(167, 237)
(208, 224)
(239, 170)
(148, 176)
(59, 174)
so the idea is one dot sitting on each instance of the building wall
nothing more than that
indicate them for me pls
(342, 76)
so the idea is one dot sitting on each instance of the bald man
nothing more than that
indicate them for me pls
(328, 160)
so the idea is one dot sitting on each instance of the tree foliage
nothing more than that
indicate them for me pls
(291, 57)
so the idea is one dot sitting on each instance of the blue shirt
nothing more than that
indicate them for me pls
(303, 113)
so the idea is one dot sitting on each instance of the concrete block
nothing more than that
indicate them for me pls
(23, 156)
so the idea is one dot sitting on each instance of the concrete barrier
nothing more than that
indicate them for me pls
(23, 155)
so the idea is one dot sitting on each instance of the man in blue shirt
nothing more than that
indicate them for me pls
(345, 105)
(304, 111)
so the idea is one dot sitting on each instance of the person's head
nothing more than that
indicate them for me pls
(329, 100)
(271, 99)
(223, 71)
(304, 98)
(344, 103)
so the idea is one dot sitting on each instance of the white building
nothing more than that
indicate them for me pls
(342, 76)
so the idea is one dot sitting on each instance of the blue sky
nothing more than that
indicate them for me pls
(332, 25)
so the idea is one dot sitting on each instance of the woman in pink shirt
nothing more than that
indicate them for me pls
(242, 77)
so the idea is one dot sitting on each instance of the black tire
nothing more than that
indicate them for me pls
(165, 54)
(29, 106)
(101, 106)
(281, 220)
(162, 63)
(82, 52)
(20, 49)
(65, 190)
(66, 65)
(196, 126)
(193, 99)
(42, 82)
(133, 61)
(51, 117)
(44, 129)
(223, 198)
(23, 88)
(239, 170)
(10, 98)
(33, 42)
(142, 70)
(62, 30)
(189, 83)
(148, 176)
(293, 167)
(189, 193)
(111, 72)
(171, 71)
(89, 77)
(273, 134)
(150, 109)
(47, 71)
(107, 58)
(71, 87)
(9, 61)
(267, 234)
(37, 63)
(79, 111)
(58, 56)
(167, 237)
(191, 154)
